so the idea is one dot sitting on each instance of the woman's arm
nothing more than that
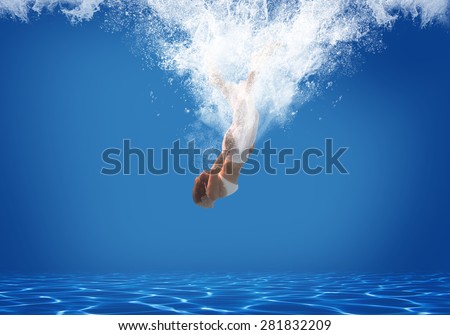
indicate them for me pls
(217, 80)
(250, 81)
(213, 190)
(258, 61)
(217, 166)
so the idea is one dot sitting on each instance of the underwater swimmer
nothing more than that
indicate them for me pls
(237, 144)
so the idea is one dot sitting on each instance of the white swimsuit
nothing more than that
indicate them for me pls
(229, 186)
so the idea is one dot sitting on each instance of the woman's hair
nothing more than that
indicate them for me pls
(200, 185)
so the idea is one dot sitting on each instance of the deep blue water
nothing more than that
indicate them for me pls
(226, 294)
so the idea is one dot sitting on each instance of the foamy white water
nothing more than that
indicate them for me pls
(288, 42)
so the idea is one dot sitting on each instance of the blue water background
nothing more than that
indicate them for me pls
(69, 92)
(226, 294)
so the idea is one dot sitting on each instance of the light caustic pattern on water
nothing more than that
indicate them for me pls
(257, 293)
(291, 44)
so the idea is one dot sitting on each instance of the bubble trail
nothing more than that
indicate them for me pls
(310, 40)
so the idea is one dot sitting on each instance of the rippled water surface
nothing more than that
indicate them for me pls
(226, 294)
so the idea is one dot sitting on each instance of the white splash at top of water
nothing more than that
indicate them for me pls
(76, 10)
(287, 42)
